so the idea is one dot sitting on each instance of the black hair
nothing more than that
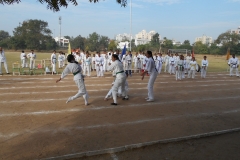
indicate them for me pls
(116, 57)
(71, 59)
(149, 53)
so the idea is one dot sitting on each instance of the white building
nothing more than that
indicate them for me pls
(63, 40)
(176, 43)
(237, 31)
(122, 44)
(123, 37)
(143, 37)
(204, 39)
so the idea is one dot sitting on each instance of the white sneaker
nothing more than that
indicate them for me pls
(69, 99)
(147, 98)
(150, 100)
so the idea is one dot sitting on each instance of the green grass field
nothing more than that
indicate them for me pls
(216, 63)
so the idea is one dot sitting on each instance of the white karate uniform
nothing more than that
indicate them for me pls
(192, 69)
(117, 67)
(204, 68)
(3, 60)
(60, 61)
(23, 58)
(106, 60)
(159, 62)
(145, 60)
(109, 94)
(78, 78)
(166, 60)
(188, 59)
(32, 57)
(93, 63)
(179, 69)
(99, 66)
(151, 68)
(53, 61)
(87, 66)
(172, 62)
(234, 63)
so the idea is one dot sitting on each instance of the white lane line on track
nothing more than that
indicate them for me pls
(112, 107)
(68, 129)
(92, 90)
(62, 86)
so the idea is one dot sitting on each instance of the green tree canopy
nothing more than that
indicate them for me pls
(55, 5)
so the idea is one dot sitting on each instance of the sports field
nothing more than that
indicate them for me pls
(36, 123)
(216, 63)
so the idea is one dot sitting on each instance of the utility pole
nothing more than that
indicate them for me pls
(130, 25)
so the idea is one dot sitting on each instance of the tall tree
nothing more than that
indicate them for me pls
(55, 5)
(33, 34)
(4, 35)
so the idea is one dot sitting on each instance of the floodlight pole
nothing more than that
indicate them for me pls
(60, 22)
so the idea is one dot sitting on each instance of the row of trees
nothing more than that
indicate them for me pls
(220, 46)
(35, 34)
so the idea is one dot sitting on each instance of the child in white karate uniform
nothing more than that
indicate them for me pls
(192, 68)
(204, 67)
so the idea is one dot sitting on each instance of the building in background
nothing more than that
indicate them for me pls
(143, 37)
(122, 44)
(64, 41)
(204, 39)
(176, 43)
(237, 31)
(123, 37)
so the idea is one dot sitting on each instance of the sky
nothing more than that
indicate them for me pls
(175, 19)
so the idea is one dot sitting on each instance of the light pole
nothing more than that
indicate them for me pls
(130, 25)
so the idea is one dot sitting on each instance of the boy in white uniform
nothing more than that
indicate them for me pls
(99, 65)
(128, 63)
(53, 61)
(233, 63)
(192, 68)
(204, 67)
(166, 60)
(180, 68)
(23, 58)
(87, 65)
(32, 56)
(3, 60)
(172, 62)
(60, 60)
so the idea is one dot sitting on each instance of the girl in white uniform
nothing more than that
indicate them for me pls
(152, 71)
(192, 68)
(23, 58)
(172, 62)
(32, 57)
(74, 68)
(3, 60)
(99, 65)
(117, 68)
(93, 62)
(159, 63)
(204, 67)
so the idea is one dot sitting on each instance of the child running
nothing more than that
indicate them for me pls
(74, 68)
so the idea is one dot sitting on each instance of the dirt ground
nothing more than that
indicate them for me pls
(36, 123)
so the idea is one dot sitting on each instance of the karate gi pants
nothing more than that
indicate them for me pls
(87, 68)
(232, 69)
(166, 67)
(32, 64)
(5, 66)
(153, 76)
(81, 91)
(179, 75)
(191, 73)
(119, 82)
(159, 68)
(23, 63)
(171, 69)
(203, 72)
(54, 67)
(60, 64)
(99, 70)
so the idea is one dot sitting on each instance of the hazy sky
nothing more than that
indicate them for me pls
(174, 19)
